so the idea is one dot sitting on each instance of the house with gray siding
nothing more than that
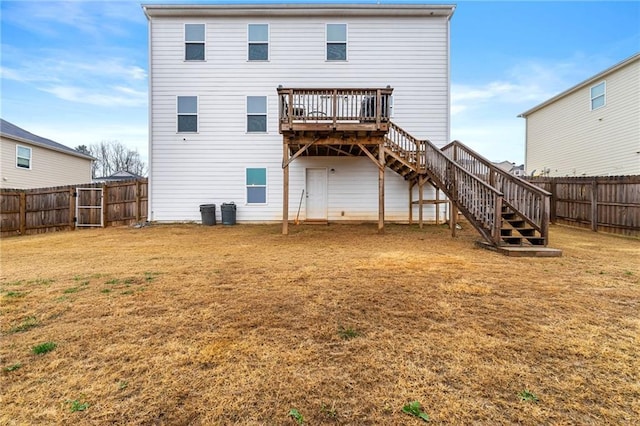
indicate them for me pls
(31, 161)
(224, 80)
(591, 129)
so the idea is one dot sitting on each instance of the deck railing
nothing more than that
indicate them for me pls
(334, 107)
(532, 202)
(478, 201)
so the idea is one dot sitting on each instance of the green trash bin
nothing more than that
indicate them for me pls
(208, 213)
(228, 211)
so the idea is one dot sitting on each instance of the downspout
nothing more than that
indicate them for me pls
(150, 217)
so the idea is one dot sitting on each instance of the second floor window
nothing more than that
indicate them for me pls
(23, 157)
(598, 95)
(336, 42)
(256, 114)
(194, 42)
(187, 114)
(258, 42)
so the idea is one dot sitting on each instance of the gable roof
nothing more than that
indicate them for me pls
(12, 131)
(579, 86)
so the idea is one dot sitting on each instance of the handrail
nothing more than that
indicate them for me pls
(477, 200)
(334, 105)
(532, 202)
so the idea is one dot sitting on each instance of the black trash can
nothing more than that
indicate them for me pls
(228, 213)
(208, 213)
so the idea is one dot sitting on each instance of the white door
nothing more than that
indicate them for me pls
(316, 194)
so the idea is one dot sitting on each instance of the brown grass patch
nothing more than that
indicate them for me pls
(238, 325)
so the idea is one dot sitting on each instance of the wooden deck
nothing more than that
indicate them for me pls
(505, 210)
(334, 114)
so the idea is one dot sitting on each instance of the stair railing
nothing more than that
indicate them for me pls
(531, 202)
(478, 201)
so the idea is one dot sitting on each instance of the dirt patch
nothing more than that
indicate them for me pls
(239, 325)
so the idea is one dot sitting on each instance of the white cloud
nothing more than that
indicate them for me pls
(484, 113)
(117, 97)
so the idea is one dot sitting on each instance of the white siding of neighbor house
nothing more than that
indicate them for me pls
(48, 167)
(409, 54)
(567, 138)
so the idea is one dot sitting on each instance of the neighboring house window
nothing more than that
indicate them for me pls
(598, 95)
(23, 157)
(336, 42)
(256, 186)
(256, 114)
(194, 42)
(187, 114)
(258, 42)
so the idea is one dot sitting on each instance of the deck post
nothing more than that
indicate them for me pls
(411, 185)
(421, 182)
(453, 217)
(381, 187)
(285, 187)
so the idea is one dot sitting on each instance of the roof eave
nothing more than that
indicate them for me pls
(49, 147)
(581, 85)
(389, 10)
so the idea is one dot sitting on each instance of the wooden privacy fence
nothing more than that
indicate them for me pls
(33, 211)
(602, 203)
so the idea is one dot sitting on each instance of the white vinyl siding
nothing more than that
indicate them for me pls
(194, 42)
(23, 157)
(567, 138)
(48, 167)
(258, 42)
(209, 167)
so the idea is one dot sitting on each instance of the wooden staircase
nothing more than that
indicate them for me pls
(508, 212)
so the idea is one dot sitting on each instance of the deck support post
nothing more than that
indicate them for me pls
(381, 168)
(453, 217)
(412, 183)
(285, 187)
(421, 182)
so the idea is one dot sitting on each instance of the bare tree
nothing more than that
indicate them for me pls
(112, 157)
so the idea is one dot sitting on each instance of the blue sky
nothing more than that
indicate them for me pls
(76, 71)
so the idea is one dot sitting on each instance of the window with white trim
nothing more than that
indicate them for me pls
(187, 114)
(336, 42)
(23, 157)
(194, 42)
(256, 181)
(258, 39)
(598, 93)
(256, 114)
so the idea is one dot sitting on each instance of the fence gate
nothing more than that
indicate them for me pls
(89, 207)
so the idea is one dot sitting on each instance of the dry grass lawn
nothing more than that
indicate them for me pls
(238, 325)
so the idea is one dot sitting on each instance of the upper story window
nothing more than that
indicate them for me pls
(336, 42)
(194, 42)
(187, 114)
(256, 114)
(598, 95)
(23, 157)
(258, 37)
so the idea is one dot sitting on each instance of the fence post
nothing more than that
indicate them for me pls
(72, 209)
(594, 205)
(554, 197)
(138, 201)
(23, 213)
(105, 210)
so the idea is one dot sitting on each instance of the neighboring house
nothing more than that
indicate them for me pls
(216, 115)
(591, 129)
(119, 175)
(30, 161)
(511, 168)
